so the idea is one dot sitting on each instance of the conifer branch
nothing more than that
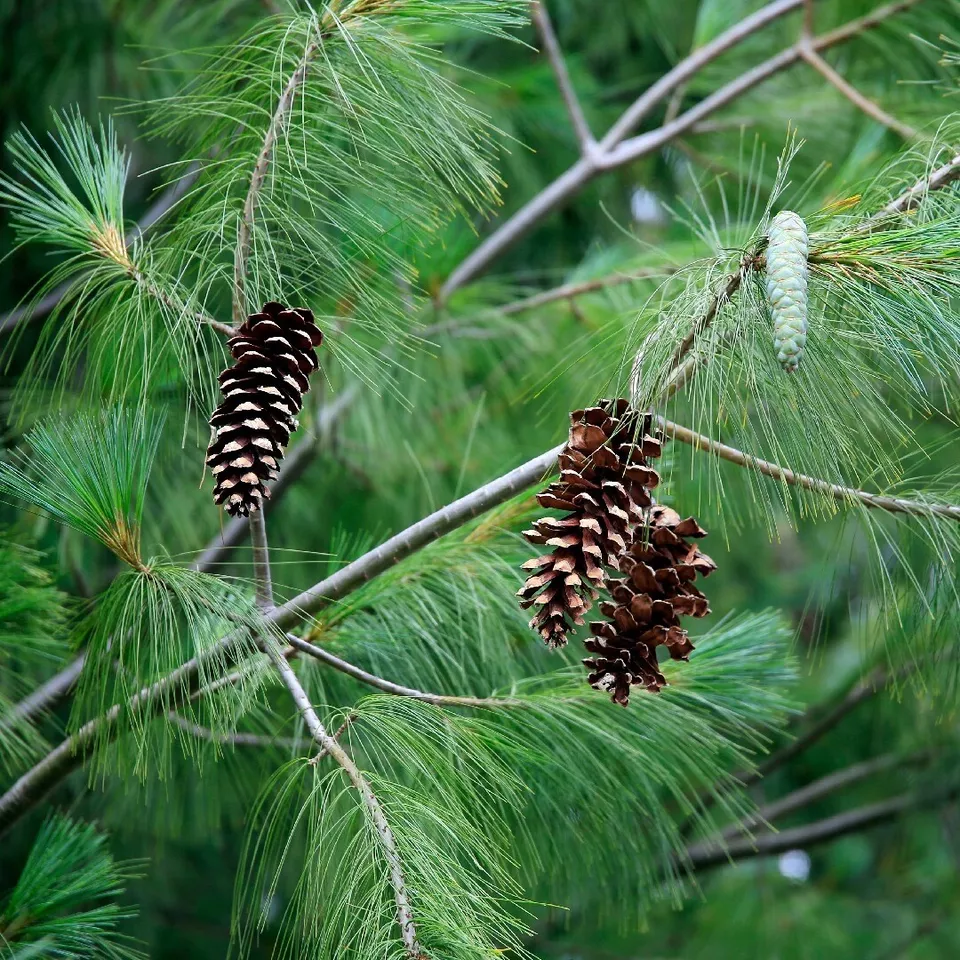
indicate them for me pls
(45, 697)
(614, 151)
(164, 203)
(910, 199)
(876, 501)
(375, 811)
(551, 48)
(711, 853)
(818, 789)
(387, 686)
(862, 103)
(233, 739)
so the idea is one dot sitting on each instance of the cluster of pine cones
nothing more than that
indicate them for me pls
(613, 526)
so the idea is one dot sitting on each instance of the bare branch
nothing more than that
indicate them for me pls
(912, 198)
(551, 47)
(847, 495)
(45, 697)
(397, 689)
(613, 151)
(164, 203)
(710, 853)
(865, 104)
(378, 818)
(234, 739)
(819, 789)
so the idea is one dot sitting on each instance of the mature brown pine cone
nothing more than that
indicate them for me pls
(262, 393)
(604, 483)
(660, 567)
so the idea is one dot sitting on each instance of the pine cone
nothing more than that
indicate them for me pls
(262, 393)
(787, 287)
(660, 568)
(604, 483)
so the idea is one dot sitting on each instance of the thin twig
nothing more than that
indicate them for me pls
(164, 203)
(818, 789)
(847, 495)
(551, 48)
(45, 697)
(912, 198)
(233, 739)
(711, 853)
(614, 151)
(865, 104)
(378, 818)
(387, 686)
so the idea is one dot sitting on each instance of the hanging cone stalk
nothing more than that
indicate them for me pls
(657, 589)
(605, 482)
(275, 353)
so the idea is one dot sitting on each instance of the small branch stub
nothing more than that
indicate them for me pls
(787, 287)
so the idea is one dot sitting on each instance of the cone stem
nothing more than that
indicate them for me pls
(261, 560)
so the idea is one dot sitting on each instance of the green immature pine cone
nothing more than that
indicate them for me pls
(787, 287)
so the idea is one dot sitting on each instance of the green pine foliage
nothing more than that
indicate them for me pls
(62, 904)
(348, 155)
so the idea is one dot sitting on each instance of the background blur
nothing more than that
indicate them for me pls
(886, 892)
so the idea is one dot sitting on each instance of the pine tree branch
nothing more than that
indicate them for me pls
(387, 686)
(233, 739)
(912, 198)
(33, 785)
(614, 151)
(45, 697)
(847, 495)
(551, 48)
(702, 856)
(818, 789)
(165, 202)
(865, 104)
(375, 811)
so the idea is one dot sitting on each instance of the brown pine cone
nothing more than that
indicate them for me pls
(262, 393)
(604, 483)
(660, 567)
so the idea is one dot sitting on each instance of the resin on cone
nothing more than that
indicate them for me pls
(275, 353)
(605, 482)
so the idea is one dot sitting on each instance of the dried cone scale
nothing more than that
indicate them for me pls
(604, 485)
(657, 589)
(275, 353)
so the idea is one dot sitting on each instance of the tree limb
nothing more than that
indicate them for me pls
(613, 150)
(45, 697)
(387, 686)
(818, 789)
(233, 739)
(378, 818)
(701, 856)
(33, 785)
(847, 495)
(865, 104)
(551, 48)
